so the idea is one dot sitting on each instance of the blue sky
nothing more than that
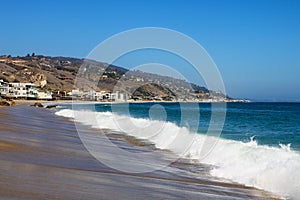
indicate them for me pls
(255, 44)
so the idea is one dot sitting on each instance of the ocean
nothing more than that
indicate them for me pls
(259, 144)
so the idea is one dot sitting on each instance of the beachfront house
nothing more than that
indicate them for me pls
(103, 95)
(3, 88)
(22, 91)
(120, 97)
(44, 95)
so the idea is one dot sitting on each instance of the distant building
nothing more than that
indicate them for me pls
(44, 95)
(103, 95)
(139, 79)
(3, 88)
(22, 91)
(119, 96)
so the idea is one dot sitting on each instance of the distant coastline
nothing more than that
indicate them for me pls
(22, 102)
(41, 77)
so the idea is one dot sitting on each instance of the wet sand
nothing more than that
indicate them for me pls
(42, 157)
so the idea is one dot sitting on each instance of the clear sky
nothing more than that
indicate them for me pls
(255, 43)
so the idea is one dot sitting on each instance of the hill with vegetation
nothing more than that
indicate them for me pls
(59, 73)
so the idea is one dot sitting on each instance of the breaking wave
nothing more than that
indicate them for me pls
(264, 167)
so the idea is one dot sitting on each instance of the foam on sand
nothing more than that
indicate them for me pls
(269, 168)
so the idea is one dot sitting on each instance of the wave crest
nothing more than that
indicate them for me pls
(269, 168)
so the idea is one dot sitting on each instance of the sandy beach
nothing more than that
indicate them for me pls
(42, 157)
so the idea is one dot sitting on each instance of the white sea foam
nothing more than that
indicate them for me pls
(269, 168)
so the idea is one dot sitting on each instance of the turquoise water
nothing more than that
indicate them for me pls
(259, 144)
(268, 123)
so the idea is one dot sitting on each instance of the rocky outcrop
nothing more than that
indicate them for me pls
(52, 106)
(7, 103)
(38, 104)
(39, 79)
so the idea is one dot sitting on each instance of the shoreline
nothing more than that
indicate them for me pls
(20, 102)
(46, 152)
(30, 102)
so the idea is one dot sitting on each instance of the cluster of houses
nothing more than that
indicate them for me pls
(30, 91)
(99, 96)
(22, 91)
